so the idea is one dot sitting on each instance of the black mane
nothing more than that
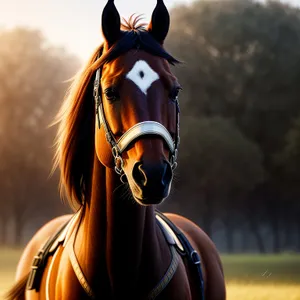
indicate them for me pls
(139, 39)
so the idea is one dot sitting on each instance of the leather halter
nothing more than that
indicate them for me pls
(136, 131)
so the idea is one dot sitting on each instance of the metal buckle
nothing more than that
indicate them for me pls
(119, 163)
(115, 151)
(173, 160)
(96, 92)
(195, 258)
(174, 165)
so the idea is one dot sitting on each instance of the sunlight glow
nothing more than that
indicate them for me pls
(74, 24)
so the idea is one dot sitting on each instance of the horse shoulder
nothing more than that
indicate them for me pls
(36, 243)
(211, 262)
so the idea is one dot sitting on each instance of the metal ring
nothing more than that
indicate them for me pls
(118, 160)
(174, 165)
(119, 169)
(115, 151)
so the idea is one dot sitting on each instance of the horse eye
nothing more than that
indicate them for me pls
(175, 93)
(111, 94)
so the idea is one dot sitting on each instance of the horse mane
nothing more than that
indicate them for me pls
(133, 23)
(74, 136)
(74, 142)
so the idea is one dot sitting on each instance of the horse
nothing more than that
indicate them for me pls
(116, 147)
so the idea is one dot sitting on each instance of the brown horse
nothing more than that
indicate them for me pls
(120, 120)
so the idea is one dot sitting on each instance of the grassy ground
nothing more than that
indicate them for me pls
(262, 277)
(248, 277)
(263, 269)
(8, 261)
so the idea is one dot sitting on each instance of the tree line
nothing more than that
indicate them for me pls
(33, 78)
(240, 119)
(240, 124)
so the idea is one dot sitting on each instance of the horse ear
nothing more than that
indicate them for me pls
(111, 23)
(160, 22)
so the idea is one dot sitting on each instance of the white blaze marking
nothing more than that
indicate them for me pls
(142, 75)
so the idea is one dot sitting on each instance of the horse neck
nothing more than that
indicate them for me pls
(119, 242)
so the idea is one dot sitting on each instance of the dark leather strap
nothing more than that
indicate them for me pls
(169, 274)
(190, 254)
(40, 260)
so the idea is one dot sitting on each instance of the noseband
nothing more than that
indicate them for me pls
(140, 129)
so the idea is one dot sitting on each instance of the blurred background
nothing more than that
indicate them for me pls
(239, 157)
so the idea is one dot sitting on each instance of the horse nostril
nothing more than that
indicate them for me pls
(155, 176)
(139, 174)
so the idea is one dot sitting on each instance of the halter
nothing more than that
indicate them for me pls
(139, 129)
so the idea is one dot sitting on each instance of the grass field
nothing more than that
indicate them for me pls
(248, 277)
(262, 277)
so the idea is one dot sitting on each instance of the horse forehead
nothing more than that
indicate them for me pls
(140, 68)
(142, 75)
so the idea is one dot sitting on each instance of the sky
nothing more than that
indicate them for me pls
(73, 24)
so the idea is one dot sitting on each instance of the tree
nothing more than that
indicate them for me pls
(242, 62)
(220, 167)
(32, 75)
(288, 161)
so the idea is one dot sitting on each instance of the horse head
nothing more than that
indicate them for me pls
(123, 107)
(136, 98)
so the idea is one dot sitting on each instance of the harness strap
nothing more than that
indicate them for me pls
(168, 275)
(153, 293)
(48, 277)
(75, 265)
(78, 271)
(172, 268)
(67, 233)
(190, 253)
(40, 260)
(171, 234)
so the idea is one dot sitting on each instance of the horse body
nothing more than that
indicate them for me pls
(90, 261)
(120, 250)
